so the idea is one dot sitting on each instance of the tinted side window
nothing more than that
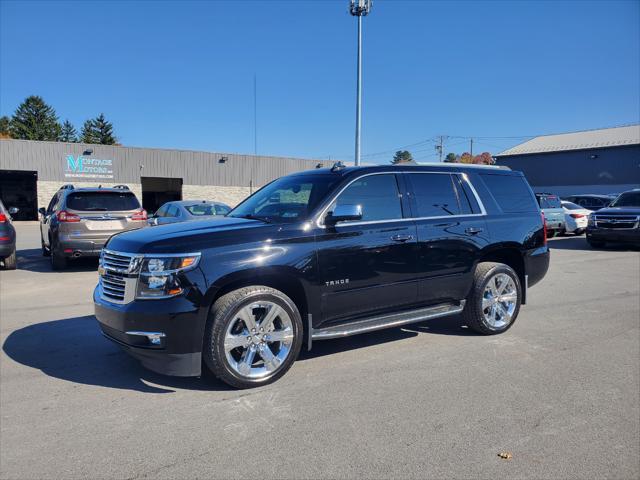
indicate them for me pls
(162, 211)
(435, 195)
(222, 210)
(468, 202)
(511, 193)
(172, 211)
(378, 196)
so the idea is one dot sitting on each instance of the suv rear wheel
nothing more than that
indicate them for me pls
(253, 336)
(58, 261)
(494, 301)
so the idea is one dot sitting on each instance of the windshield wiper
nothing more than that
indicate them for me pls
(250, 216)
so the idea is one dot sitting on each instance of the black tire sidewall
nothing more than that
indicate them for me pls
(220, 326)
(500, 268)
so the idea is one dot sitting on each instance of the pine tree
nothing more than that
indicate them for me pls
(34, 120)
(402, 156)
(98, 130)
(68, 132)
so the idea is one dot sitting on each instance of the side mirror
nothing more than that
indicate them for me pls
(344, 213)
(13, 210)
(42, 211)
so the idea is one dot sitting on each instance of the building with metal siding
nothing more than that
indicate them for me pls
(31, 172)
(601, 161)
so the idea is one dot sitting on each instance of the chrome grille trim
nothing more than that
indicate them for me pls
(117, 285)
(618, 222)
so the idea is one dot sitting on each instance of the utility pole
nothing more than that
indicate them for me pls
(359, 8)
(471, 147)
(440, 146)
(255, 114)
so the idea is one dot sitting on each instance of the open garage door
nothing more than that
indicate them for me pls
(158, 190)
(18, 188)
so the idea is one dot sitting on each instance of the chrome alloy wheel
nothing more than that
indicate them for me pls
(499, 301)
(258, 339)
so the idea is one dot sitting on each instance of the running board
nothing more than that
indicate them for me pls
(387, 321)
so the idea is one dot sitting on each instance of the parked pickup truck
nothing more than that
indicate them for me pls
(318, 255)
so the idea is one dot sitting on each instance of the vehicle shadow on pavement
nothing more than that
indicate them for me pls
(32, 260)
(580, 243)
(438, 326)
(73, 349)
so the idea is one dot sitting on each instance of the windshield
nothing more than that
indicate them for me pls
(628, 199)
(549, 201)
(286, 200)
(102, 201)
(201, 209)
(572, 206)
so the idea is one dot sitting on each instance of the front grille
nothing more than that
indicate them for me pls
(617, 221)
(113, 286)
(116, 261)
(117, 283)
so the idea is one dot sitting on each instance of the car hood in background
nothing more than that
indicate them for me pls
(619, 210)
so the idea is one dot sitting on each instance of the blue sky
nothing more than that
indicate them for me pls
(179, 74)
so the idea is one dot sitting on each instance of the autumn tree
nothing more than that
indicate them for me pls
(485, 158)
(402, 156)
(34, 120)
(466, 158)
(4, 127)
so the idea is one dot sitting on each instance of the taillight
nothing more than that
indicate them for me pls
(3, 218)
(577, 215)
(64, 216)
(139, 216)
(544, 228)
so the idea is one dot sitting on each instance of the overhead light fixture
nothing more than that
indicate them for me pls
(223, 159)
(88, 151)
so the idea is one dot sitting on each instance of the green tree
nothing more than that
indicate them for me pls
(402, 156)
(4, 127)
(98, 130)
(68, 132)
(34, 120)
(451, 158)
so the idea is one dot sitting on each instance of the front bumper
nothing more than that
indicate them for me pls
(617, 235)
(179, 351)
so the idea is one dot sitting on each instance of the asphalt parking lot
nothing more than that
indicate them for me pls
(559, 391)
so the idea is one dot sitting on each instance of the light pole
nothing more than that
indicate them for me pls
(359, 8)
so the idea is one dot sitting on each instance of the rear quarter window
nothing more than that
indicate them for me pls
(511, 193)
(102, 201)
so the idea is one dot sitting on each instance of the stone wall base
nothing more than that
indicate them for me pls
(229, 195)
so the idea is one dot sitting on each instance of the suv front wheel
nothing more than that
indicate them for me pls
(253, 336)
(494, 301)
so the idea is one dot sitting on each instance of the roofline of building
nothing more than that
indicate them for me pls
(549, 152)
(163, 149)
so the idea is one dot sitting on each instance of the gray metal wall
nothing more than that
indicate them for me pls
(49, 159)
(598, 166)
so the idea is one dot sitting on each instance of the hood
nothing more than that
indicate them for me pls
(619, 210)
(187, 237)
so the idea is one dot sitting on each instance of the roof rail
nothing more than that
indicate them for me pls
(338, 166)
(466, 165)
(122, 187)
(67, 186)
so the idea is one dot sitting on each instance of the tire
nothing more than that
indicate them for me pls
(481, 312)
(578, 232)
(45, 251)
(241, 363)
(551, 233)
(58, 262)
(10, 262)
(596, 244)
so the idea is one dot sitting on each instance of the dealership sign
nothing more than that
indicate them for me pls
(82, 167)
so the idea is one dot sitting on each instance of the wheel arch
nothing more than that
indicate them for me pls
(511, 255)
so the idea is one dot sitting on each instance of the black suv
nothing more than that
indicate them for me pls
(318, 255)
(79, 221)
(619, 222)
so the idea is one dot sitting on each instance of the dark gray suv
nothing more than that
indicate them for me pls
(79, 221)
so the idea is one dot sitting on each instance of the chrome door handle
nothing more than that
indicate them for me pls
(473, 230)
(402, 238)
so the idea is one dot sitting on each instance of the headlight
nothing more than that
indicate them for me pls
(159, 275)
(592, 220)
